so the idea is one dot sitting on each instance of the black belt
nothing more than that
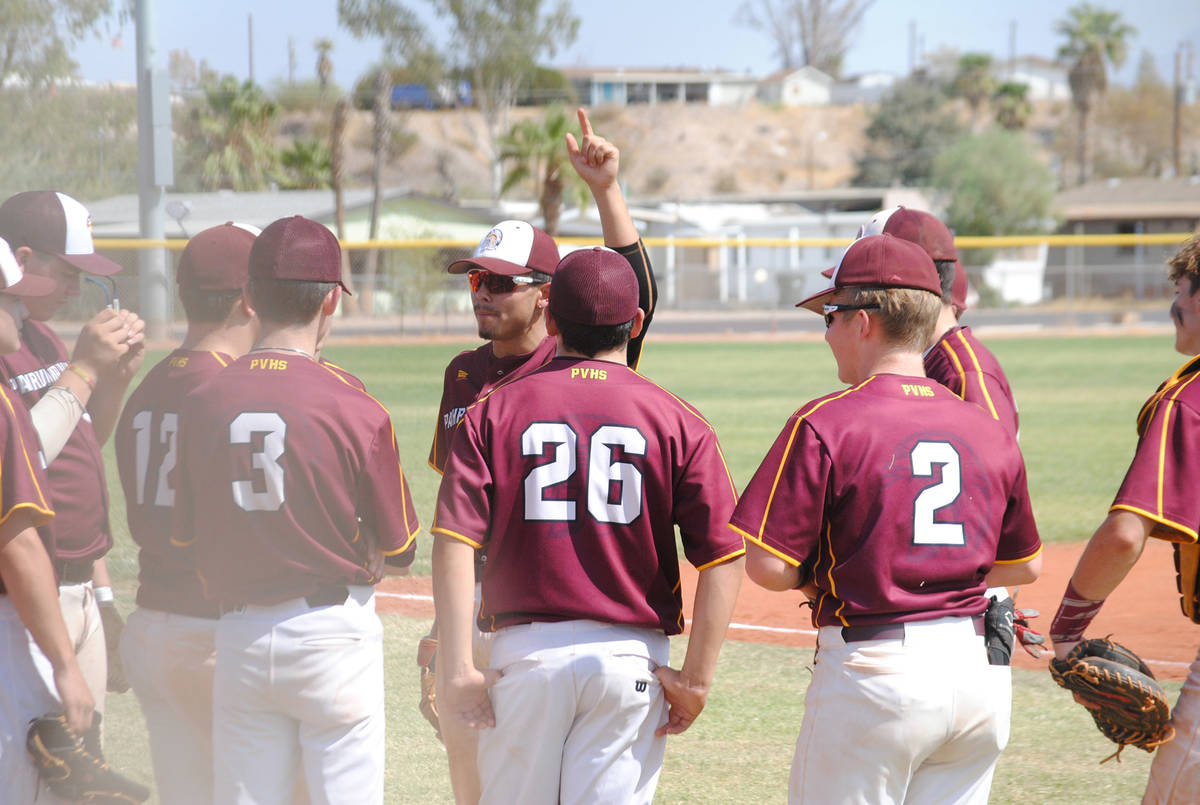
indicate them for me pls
(332, 595)
(891, 631)
(74, 571)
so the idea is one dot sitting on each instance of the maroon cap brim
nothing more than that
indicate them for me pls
(32, 286)
(92, 264)
(828, 273)
(492, 264)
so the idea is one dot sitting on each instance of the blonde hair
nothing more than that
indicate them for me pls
(909, 316)
(1186, 263)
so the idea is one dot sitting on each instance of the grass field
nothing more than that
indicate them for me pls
(1078, 398)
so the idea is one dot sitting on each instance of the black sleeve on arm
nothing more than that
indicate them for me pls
(639, 260)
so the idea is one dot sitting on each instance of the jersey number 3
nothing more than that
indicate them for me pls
(274, 429)
(602, 472)
(926, 531)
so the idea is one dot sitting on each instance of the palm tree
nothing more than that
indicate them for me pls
(382, 135)
(538, 149)
(324, 62)
(1095, 37)
(234, 143)
(1011, 104)
(337, 176)
(974, 82)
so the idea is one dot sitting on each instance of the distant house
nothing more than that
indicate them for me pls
(1121, 207)
(865, 88)
(628, 86)
(806, 86)
(1046, 79)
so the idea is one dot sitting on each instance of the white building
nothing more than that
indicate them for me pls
(806, 86)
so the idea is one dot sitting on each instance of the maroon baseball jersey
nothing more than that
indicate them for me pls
(1160, 483)
(572, 479)
(474, 371)
(898, 495)
(23, 482)
(343, 375)
(295, 482)
(78, 488)
(960, 363)
(147, 450)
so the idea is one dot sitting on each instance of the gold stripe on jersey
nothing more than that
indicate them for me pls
(44, 508)
(1151, 405)
(832, 564)
(787, 451)
(1023, 559)
(445, 532)
(773, 551)
(217, 357)
(978, 371)
(723, 559)
(1185, 531)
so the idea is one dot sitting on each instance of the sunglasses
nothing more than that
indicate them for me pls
(831, 309)
(498, 283)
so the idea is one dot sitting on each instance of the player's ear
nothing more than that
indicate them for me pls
(24, 256)
(330, 302)
(246, 302)
(543, 295)
(638, 321)
(551, 327)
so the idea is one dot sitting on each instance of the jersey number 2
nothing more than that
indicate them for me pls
(925, 530)
(143, 422)
(602, 472)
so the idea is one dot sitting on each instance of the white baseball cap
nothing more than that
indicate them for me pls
(53, 223)
(511, 247)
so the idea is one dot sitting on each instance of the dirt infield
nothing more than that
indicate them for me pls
(1143, 613)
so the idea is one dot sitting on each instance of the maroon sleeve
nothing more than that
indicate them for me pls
(1019, 540)
(463, 504)
(385, 504)
(704, 500)
(965, 366)
(1160, 484)
(783, 506)
(22, 479)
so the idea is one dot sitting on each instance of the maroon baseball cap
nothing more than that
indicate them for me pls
(511, 248)
(18, 283)
(594, 286)
(958, 292)
(297, 248)
(919, 227)
(53, 223)
(879, 261)
(217, 259)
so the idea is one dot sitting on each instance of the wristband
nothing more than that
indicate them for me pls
(91, 382)
(104, 595)
(1074, 615)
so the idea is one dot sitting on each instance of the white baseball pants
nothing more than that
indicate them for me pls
(576, 710)
(916, 720)
(298, 687)
(169, 661)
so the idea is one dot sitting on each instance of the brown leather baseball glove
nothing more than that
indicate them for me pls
(72, 766)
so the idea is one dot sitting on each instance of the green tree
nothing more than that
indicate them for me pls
(1136, 123)
(229, 133)
(537, 150)
(36, 36)
(995, 184)
(910, 126)
(497, 42)
(973, 81)
(307, 164)
(1095, 38)
(1011, 105)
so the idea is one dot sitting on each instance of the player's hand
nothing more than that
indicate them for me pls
(1062, 649)
(78, 705)
(103, 341)
(131, 361)
(686, 700)
(466, 697)
(596, 160)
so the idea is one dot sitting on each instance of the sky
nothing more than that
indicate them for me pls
(635, 33)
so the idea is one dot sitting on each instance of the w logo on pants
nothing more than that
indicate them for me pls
(640, 685)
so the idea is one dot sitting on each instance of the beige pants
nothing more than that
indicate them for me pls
(86, 633)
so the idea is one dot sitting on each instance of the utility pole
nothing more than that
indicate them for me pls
(1012, 49)
(250, 42)
(156, 169)
(291, 61)
(1184, 94)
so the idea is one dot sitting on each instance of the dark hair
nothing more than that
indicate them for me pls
(588, 339)
(945, 270)
(207, 307)
(287, 302)
(1186, 263)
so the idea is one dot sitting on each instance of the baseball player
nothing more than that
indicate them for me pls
(1158, 498)
(295, 506)
(75, 400)
(509, 278)
(572, 479)
(28, 594)
(893, 505)
(168, 646)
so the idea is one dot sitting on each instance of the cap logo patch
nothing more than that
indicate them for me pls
(491, 241)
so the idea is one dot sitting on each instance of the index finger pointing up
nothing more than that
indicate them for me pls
(584, 125)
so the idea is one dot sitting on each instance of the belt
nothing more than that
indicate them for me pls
(73, 571)
(890, 631)
(332, 595)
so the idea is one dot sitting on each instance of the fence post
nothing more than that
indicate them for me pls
(723, 269)
(741, 268)
(672, 292)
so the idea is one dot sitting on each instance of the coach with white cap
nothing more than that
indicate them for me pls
(75, 399)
